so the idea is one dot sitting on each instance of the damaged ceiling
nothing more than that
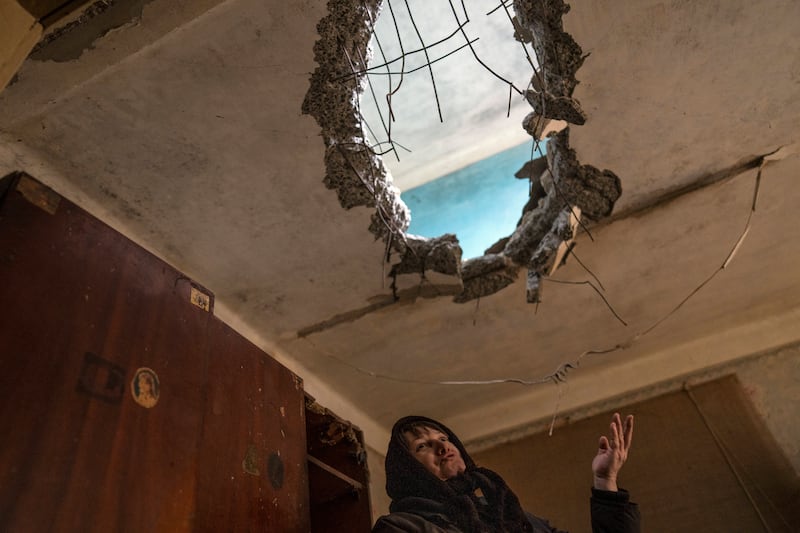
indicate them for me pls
(211, 133)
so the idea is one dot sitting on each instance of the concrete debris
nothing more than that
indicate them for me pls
(558, 54)
(351, 173)
(565, 187)
(534, 226)
(591, 189)
(559, 57)
(537, 194)
(534, 125)
(602, 188)
(353, 170)
(532, 169)
(442, 254)
(533, 285)
(486, 275)
(547, 183)
(342, 48)
(540, 127)
(497, 247)
(542, 260)
(521, 33)
(548, 105)
(391, 219)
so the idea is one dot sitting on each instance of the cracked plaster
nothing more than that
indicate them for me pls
(359, 177)
(94, 22)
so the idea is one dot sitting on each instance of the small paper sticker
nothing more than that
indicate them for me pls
(145, 387)
(200, 299)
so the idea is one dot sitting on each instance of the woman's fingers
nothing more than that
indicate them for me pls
(616, 435)
(628, 432)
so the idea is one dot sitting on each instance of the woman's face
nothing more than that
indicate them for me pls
(434, 450)
(145, 383)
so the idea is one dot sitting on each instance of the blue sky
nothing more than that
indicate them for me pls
(480, 203)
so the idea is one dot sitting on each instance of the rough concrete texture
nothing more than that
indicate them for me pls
(556, 107)
(545, 222)
(558, 181)
(534, 226)
(360, 179)
(355, 173)
(342, 48)
(533, 124)
(352, 168)
(441, 254)
(486, 275)
(559, 55)
(543, 259)
(532, 169)
(593, 190)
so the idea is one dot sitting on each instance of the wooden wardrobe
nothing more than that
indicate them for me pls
(126, 405)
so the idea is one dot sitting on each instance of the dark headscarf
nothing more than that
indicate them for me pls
(413, 488)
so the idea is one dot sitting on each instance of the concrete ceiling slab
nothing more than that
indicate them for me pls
(183, 130)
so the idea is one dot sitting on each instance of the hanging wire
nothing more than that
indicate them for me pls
(592, 285)
(474, 53)
(427, 61)
(560, 374)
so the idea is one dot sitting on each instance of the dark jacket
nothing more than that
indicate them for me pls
(421, 503)
(612, 512)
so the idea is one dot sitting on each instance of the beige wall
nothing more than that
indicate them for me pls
(771, 382)
(773, 385)
(19, 32)
(377, 482)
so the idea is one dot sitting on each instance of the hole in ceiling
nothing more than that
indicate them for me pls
(446, 126)
(480, 202)
(564, 191)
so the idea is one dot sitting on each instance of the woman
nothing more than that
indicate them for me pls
(435, 486)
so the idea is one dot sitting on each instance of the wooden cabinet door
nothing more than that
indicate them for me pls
(252, 463)
(111, 388)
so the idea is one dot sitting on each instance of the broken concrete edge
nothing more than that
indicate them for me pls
(335, 428)
(352, 168)
(543, 259)
(440, 254)
(594, 191)
(486, 275)
(569, 188)
(357, 174)
(559, 58)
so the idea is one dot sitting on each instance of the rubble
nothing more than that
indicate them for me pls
(486, 275)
